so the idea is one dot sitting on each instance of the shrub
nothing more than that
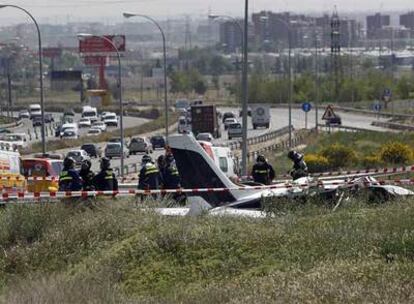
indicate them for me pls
(316, 163)
(396, 153)
(339, 156)
(371, 161)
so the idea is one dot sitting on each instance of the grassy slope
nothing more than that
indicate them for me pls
(363, 143)
(304, 253)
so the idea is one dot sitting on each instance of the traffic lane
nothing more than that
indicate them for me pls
(280, 119)
(250, 131)
(27, 126)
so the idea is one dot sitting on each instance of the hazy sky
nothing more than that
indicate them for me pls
(60, 11)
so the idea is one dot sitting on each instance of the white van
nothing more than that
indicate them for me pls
(260, 116)
(90, 112)
(223, 158)
(35, 110)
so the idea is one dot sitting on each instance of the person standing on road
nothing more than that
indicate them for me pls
(87, 175)
(300, 169)
(172, 178)
(262, 171)
(105, 180)
(148, 175)
(69, 179)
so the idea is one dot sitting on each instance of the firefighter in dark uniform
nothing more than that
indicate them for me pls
(105, 179)
(69, 179)
(87, 175)
(172, 179)
(262, 171)
(171, 176)
(161, 163)
(300, 169)
(148, 175)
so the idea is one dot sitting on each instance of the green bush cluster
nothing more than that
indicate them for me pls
(396, 153)
(338, 156)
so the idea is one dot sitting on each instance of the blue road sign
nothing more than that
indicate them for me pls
(377, 107)
(306, 107)
(387, 92)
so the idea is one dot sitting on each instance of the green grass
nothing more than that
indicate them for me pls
(363, 143)
(110, 253)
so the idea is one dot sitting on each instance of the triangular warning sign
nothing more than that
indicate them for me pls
(329, 113)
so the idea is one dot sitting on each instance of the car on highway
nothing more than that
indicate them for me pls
(70, 133)
(228, 115)
(140, 145)
(35, 110)
(93, 132)
(181, 104)
(204, 136)
(113, 149)
(79, 156)
(69, 112)
(111, 119)
(16, 140)
(229, 121)
(93, 150)
(234, 130)
(103, 114)
(66, 126)
(99, 125)
(249, 112)
(84, 123)
(37, 121)
(24, 114)
(49, 118)
(334, 121)
(158, 141)
(90, 112)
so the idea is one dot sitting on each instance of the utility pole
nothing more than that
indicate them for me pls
(335, 51)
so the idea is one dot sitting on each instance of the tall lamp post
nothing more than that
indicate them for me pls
(40, 70)
(121, 106)
(130, 15)
(244, 86)
(290, 73)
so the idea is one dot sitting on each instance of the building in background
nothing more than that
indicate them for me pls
(375, 25)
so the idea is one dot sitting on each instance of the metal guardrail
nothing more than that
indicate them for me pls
(234, 145)
(393, 125)
(342, 128)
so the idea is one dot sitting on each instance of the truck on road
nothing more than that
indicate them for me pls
(204, 119)
(260, 116)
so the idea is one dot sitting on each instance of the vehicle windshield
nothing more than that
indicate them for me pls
(110, 117)
(74, 153)
(137, 140)
(98, 123)
(113, 145)
(89, 114)
(94, 131)
(12, 137)
(235, 126)
(87, 147)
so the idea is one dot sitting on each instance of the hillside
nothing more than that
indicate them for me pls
(111, 252)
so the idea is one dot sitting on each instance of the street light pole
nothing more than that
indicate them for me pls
(244, 86)
(40, 70)
(290, 73)
(121, 106)
(130, 15)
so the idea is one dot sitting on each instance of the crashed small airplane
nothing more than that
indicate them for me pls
(199, 171)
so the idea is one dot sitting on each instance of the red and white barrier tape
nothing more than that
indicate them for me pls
(5, 196)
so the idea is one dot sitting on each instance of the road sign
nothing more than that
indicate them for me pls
(306, 107)
(376, 107)
(329, 113)
(387, 92)
(96, 44)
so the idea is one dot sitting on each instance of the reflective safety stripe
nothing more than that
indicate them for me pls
(109, 177)
(65, 178)
(261, 171)
(151, 171)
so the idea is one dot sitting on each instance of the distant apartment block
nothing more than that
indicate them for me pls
(375, 24)
(407, 20)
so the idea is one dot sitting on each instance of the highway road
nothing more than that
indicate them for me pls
(279, 119)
